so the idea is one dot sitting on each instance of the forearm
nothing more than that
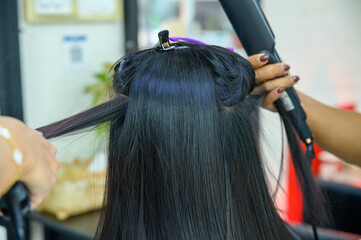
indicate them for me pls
(9, 170)
(335, 130)
(7, 167)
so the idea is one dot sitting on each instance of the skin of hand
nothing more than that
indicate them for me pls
(269, 79)
(335, 130)
(39, 164)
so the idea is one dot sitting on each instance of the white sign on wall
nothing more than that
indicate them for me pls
(96, 7)
(76, 52)
(72, 10)
(53, 7)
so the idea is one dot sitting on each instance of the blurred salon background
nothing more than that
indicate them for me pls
(55, 57)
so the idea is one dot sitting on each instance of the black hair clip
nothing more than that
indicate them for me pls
(163, 37)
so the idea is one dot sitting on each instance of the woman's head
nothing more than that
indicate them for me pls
(183, 157)
(184, 148)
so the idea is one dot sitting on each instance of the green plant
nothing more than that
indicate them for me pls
(101, 91)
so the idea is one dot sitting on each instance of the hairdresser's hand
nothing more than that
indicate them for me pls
(39, 165)
(269, 80)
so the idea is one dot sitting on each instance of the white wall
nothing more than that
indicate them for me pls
(321, 40)
(51, 90)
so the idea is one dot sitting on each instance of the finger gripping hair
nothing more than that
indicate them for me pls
(233, 76)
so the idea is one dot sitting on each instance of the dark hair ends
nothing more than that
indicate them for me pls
(183, 157)
(315, 205)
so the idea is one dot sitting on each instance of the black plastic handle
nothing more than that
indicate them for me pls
(14, 205)
(292, 104)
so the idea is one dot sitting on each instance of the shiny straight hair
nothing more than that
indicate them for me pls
(183, 160)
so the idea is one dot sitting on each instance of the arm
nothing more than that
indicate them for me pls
(39, 166)
(7, 167)
(335, 130)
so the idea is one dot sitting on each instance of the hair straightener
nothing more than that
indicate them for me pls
(256, 36)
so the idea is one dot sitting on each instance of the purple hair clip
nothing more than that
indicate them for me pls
(175, 39)
(165, 45)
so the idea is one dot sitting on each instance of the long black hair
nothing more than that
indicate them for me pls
(183, 159)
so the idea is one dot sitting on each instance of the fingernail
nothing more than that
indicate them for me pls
(264, 58)
(286, 67)
(295, 79)
(280, 90)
